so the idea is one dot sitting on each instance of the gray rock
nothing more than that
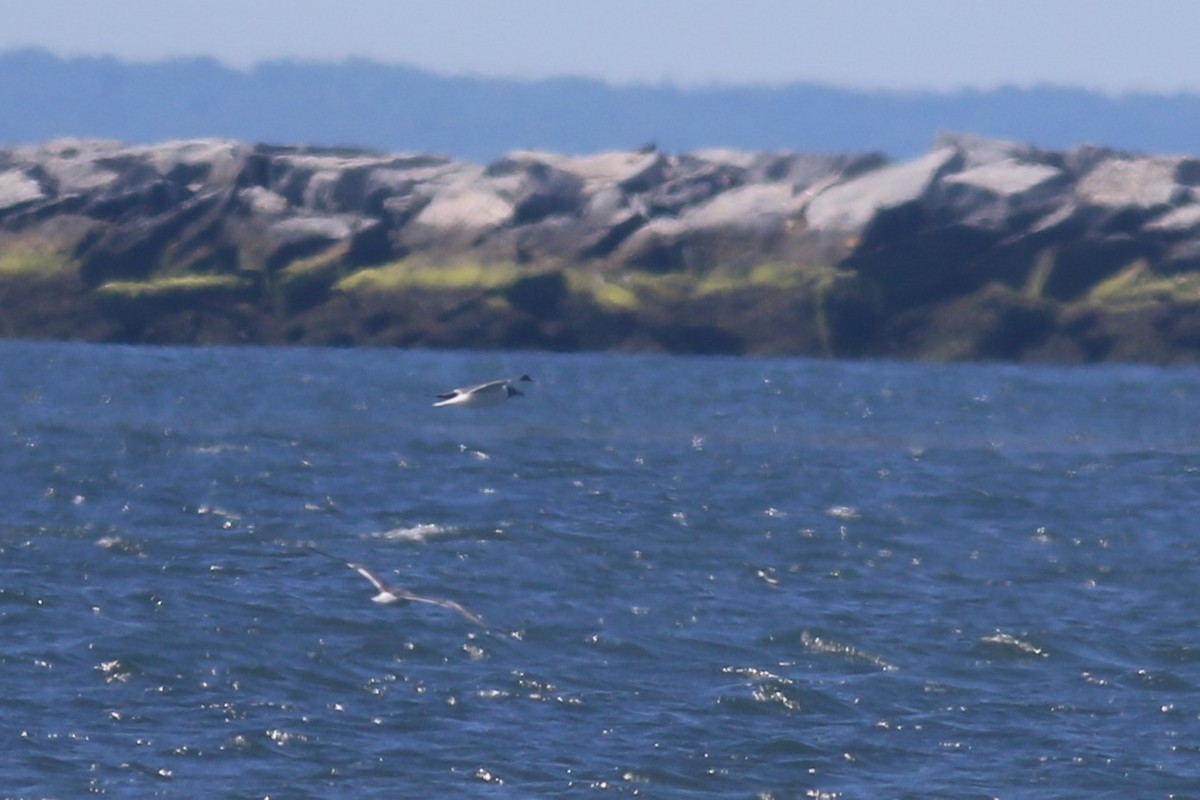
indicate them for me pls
(199, 163)
(1006, 177)
(991, 196)
(741, 219)
(975, 221)
(74, 166)
(18, 189)
(261, 201)
(469, 206)
(302, 236)
(977, 151)
(1132, 183)
(850, 205)
(630, 171)
(1184, 219)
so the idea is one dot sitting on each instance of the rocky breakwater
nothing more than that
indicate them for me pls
(978, 250)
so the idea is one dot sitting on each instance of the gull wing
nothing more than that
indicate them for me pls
(366, 572)
(375, 580)
(480, 387)
(441, 601)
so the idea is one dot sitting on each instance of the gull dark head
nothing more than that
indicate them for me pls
(512, 391)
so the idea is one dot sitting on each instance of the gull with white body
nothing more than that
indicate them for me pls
(391, 595)
(484, 395)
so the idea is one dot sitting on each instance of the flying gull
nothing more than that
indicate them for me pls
(389, 595)
(484, 395)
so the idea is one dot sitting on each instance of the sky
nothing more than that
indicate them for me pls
(1113, 46)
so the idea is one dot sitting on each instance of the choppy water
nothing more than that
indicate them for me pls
(702, 577)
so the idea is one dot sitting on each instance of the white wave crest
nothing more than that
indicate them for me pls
(416, 533)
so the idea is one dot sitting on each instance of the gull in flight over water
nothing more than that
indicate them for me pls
(389, 595)
(484, 395)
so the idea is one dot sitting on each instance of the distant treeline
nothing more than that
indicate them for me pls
(398, 108)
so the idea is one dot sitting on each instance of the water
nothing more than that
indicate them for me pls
(702, 577)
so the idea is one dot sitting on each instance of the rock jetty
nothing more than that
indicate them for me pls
(979, 249)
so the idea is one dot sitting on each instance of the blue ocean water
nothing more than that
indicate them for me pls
(701, 577)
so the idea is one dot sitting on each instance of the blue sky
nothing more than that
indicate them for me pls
(1111, 45)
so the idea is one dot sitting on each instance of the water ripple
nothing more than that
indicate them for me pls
(804, 579)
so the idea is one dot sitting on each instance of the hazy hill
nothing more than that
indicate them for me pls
(399, 108)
